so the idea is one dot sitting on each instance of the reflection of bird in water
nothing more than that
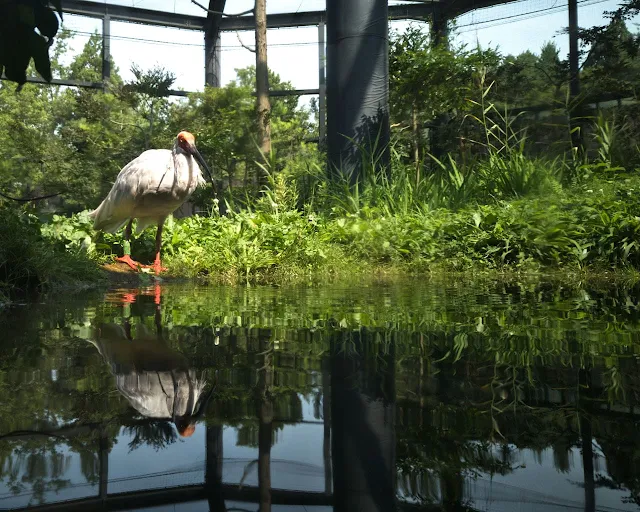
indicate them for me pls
(156, 380)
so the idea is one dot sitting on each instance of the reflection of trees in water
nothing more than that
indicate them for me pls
(481, 371)
(41, 467)
(513, 408)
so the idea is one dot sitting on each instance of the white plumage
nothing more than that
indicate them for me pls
(149, 188)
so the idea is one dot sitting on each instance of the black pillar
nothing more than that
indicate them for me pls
(322, 85)
(103, 456)
(106, 49)
(586, 437)
(212, 53)
(574, 71)
(212, 67)
(439, 27)
(362, 425)
(357, 86)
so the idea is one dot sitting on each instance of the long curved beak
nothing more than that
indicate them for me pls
(196, 154)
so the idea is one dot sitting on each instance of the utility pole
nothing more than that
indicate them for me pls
(262, 79)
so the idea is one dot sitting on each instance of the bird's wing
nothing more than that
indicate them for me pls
(149, 170)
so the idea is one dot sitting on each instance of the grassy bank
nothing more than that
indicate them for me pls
(498, 211)
(592, 226)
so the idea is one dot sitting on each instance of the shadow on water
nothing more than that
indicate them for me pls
(442, 395)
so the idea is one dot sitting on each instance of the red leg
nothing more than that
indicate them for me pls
(157, 265)
(127, 249)
(129, 298)
(127, 259)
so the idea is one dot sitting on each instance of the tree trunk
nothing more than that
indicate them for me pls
(262, 79)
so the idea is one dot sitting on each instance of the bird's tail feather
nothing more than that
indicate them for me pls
(103, 223)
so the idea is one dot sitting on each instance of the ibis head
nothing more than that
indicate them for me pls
(187, 142)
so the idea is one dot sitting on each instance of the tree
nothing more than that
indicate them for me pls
(426, 81)
(223, 119)
(612, 65)
(147, 95)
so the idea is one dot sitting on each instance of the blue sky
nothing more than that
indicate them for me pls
(293, 53)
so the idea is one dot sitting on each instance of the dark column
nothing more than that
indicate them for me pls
(439, 37)
(213, 469)
(574, 70)
(106, 49)
(104, 464)
(326, 417)
(439, 27)
(322, 85)
(363, 426)
(265, 426)
(357, 86)
(212, 54)
(586, 438)
(212, 62)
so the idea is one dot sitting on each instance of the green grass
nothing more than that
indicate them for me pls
(31, 262)
(593, 226)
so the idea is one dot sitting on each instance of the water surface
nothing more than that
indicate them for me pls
(417, 395)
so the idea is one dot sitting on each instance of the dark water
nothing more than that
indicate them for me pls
(424, 395)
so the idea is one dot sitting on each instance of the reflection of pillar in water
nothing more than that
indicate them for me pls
(213, 471)
(265, 426)
(326, 417)
(586, 437)
(363, 423)
(104, 463)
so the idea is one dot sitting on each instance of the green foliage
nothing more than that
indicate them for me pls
(498, 194)
(29, 261)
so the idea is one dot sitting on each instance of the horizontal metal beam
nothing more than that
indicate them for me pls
(189, 22)
(133, 14)
(58, 81)
(83, 84)
(177, 495)
(314, 18)
(294, 92)
(151, 498)
(172, 92)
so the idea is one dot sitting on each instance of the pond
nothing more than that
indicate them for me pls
(425, 394)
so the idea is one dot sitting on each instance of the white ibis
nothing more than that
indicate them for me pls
(148, 189)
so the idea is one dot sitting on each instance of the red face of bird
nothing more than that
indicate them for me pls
(187, 431)
(187, 142)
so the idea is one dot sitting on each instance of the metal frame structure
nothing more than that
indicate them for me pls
(438, 11)
(214, 24)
